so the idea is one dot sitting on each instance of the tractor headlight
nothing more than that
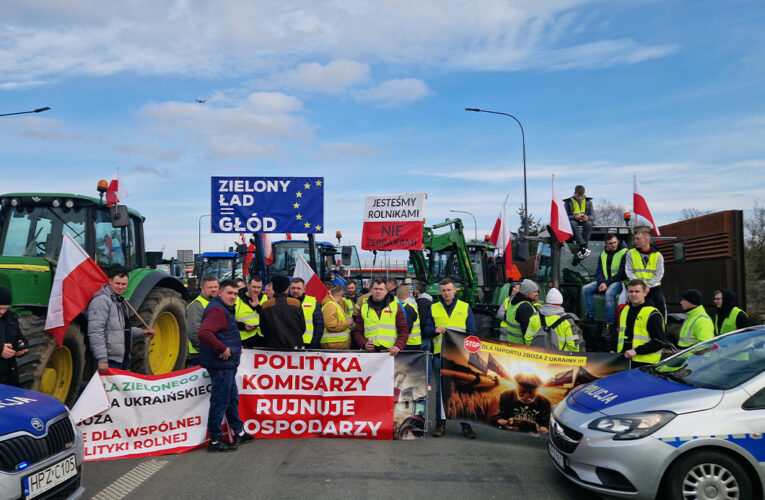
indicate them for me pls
(633, 425)
(56, 203)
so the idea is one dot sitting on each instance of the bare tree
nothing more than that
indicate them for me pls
(607, 213)
(692, 213)
(754, 253)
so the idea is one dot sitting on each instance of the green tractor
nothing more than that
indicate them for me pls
(32, 226)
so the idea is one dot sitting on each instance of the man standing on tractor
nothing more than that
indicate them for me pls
(609, 277)
(579, 210)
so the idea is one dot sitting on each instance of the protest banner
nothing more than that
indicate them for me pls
(410, 394)
(267, 204)
(393, 222)
(513, 386)
(145, 415)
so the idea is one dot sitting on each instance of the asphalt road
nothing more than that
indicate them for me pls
(499, 464)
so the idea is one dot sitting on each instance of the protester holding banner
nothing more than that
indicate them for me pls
(281, 318)
(641, 328)
(452, 314)
(337, 323)
(381, 323)
(314, 321)
(220, 348)
(409, 305)
(194, 312)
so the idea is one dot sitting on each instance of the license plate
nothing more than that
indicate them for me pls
(557, 456)
(45, 479)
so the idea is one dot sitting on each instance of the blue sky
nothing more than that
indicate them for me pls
(371, 96)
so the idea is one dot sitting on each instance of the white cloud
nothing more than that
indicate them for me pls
(393, 92)
(331, 78)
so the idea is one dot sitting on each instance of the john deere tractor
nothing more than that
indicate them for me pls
(32, 226)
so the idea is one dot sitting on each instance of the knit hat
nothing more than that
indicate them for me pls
(281, 284)
(554, 297)
(5, 296)
(528, 286)
(693, 296)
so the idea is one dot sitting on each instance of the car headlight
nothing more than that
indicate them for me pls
(633, 425)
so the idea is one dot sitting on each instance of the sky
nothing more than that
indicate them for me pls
(371, 95)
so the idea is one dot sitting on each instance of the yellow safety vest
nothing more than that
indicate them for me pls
(341, 316)
(348, 306)
(513, 326)
(640, 333)
(616, 262)
(415, 336)
(243, 313)
(457, 321)
(308, 306)
(697, 327)
(204, 303)
(643, 272)
(566, 338)
(380, 330)
(729, 323)
(577, 206)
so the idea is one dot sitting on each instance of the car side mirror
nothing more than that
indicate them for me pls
(678, 252)
(346, 255)
(119, 215)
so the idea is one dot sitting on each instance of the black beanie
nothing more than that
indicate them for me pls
(280, 284)
(693, 296)
(5, 296)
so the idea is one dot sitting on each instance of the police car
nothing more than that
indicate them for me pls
(40, 447)
(689, 427)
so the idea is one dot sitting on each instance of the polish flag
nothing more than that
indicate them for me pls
(116, 191)
(268, 250)
(502, 239)
(558, 217)
(313, 285)
(640, 206)
(77, 278)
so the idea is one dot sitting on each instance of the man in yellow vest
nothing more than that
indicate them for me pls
(247, 313)
(697, 326)
(552, 314)
(405, 301)
(579, 210)
(351, 296)
(609, 277)
(337, 322)
(516, 312)
(641, 328)
(194, 311)
(314, 321)
(381, 324)
(449, 313)
(645, 263)
(729, 317)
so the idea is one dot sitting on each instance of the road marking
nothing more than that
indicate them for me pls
(130, 481)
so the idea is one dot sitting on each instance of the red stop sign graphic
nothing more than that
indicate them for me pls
(472, 344)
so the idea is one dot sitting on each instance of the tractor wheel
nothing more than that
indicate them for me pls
(48, 367)
(165, 311)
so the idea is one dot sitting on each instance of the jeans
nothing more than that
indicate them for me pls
(582, 231)
(656, 299)
(612, 296)
(224, 400)
(120, 365)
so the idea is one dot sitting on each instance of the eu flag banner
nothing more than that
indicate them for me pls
(267, 204)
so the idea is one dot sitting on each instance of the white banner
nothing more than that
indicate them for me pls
(394, 207)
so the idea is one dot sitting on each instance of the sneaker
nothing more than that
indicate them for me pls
(242, 438)
(468, 432)
(440, 430)
(221, 446)
(585, 252)
(579, 255)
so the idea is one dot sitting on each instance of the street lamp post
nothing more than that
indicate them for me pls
(38, 110)
(523, 140)
(199, 234)
(475, 224)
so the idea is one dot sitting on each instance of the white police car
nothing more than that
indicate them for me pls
(690, 427)
(40, 447)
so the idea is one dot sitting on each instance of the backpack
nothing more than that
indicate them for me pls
(546, 337)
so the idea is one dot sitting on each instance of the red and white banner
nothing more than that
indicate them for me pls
(116, 192)
(393, 222)
(559, 222)
(313, 285)
(77, 278)
(316, 394)
(640, 206)
(146, 415)
(502, 239)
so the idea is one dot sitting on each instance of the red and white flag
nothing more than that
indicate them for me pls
(268, 250)
(116, 191)
(502, 239)
(313, 285)
(640, 206)
(558, 217)
(77, 278)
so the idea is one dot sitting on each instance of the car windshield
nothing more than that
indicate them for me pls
(720, 363)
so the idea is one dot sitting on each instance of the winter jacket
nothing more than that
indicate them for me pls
(108, 325)
(218, 332)
(282, 322)
(10, 333)
(570, 207)
(424, 303)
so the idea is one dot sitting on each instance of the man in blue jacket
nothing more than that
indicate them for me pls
(220, 347)
(609, 277)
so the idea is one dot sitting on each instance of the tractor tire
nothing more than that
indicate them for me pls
(49, 368)
(165, 311)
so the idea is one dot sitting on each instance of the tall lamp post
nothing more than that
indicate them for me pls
(525, 193)
(38, 110)
(199, 234)
(475, 224)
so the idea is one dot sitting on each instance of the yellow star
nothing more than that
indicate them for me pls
(307, 224)
(299, 194)
(318, 182)
(298, 216)
(296, 205)
(318, 228)
(307, 186)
